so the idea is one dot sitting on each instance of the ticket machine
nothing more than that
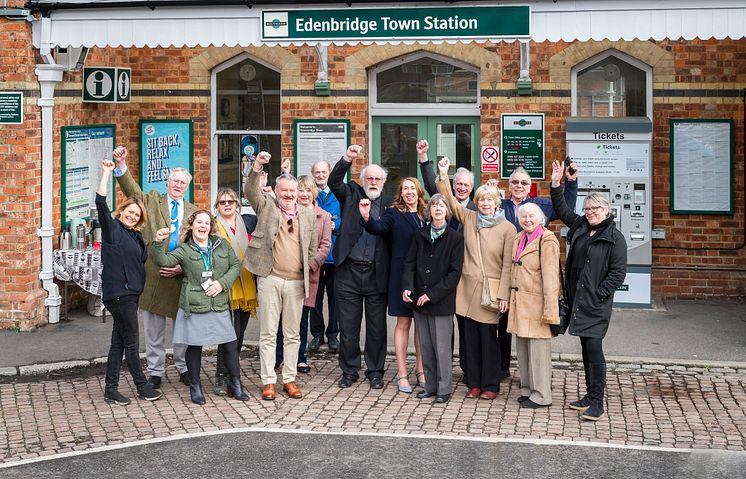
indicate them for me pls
(614, 156)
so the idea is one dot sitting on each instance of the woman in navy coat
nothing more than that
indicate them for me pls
(399, 223)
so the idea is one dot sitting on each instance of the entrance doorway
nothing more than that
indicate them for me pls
(394, 139)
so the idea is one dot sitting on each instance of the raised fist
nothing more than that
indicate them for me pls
(263, 158)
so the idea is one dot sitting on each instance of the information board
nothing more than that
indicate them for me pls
(522, 144)
(702, 166)
(11, 107)
(319, 140)
(83, 149)
(610, 159)
(165, 145)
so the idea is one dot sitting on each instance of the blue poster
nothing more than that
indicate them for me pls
(164, 145)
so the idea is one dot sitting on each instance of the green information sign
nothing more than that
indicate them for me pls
(11, 107)
(522, 143)
(397, 23)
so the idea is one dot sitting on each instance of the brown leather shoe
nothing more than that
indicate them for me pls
(293, 390)
(268, 392)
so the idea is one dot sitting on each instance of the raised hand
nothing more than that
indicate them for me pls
(558, 170)
(422, 147)
(364, 208)
(492, 182)
(443, 166)
(120, 156)
(107, 165)
(572, 171)
(285, 166)
(353, 151)
(162, 234)
(263, 158)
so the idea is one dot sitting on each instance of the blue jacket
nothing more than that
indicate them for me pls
(570, 194)
(329, 203)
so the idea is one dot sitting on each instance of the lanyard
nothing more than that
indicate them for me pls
(206, 258)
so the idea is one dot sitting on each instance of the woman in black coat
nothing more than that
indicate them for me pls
(123, 255)
(431, 274)
(596, 267)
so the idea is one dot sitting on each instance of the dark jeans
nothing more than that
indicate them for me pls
(125, 338)
(193, 358)
(303, 338)
(326, 281)
(593, 350)
(504, 338)
(482, 355)
(355, 285)
(240, 321)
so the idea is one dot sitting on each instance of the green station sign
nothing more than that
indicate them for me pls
(11, 107)
(522, 143)
(397, 23)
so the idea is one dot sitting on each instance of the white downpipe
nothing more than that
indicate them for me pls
(49, 76)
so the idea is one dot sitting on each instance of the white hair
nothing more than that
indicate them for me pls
(528, 206)
(520, 171)
(365, 170)
(184, 171)
(464, 171)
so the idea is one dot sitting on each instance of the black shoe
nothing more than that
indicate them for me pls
(198, 396)
(219, 388)
(441, 398)
(155, 382)
(148, 393)
(424, 394)
(529, 404)
(595, 411)
(346, 381)
(333, 346)
(184, 378)
(235, 389)
(304, 368)
(115, 397)
(581, 404)
(522, 398)
(315, 344)
(376, 383)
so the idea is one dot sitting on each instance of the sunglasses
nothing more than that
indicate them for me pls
(290, 226)
(226, 202)
(519, 182)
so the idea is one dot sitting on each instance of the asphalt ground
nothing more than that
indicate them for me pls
(276, 454)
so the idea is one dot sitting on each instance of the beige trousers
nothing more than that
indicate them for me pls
(535, 368)
(279, 298)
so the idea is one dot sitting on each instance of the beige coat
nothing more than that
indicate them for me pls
(161, 295)
(259, 257)
(535, 288)
(496, 243)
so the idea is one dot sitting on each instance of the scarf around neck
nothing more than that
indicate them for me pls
(526, 240)
(437, 232)
(484, 221)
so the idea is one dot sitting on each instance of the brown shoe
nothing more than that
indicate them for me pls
(268, 392)
(293, 390)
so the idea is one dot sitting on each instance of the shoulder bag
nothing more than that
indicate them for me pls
(490, 286)
(564, 308)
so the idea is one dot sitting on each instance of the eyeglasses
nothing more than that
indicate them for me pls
(592, 209)
(373, 179)
(226, 202)
(290, 226)
(520, 182)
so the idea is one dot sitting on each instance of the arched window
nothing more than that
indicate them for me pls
(612, 84)
(246, 119)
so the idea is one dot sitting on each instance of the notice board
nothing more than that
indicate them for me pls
(83, 149)
(316, 140)
(522, 143)
(702, 176)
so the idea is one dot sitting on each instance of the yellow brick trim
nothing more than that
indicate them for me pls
(287, 63)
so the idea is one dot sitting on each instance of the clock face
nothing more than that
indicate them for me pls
(247, 72)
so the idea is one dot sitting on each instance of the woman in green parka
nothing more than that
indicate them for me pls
(210, 267)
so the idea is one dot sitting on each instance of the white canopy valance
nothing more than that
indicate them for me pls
(241, 26)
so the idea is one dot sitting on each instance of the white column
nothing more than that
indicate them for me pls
(49, 76)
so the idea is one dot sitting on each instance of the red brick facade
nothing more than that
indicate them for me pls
(702, 256)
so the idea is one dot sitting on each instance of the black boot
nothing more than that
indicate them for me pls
(198, 396)
(596, 392)
(235, 390)
(585, 402)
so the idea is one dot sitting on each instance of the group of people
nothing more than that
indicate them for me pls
(490, 262)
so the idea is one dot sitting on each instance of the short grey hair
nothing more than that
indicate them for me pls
(520, 171)
(286, 177)
(364, 170)
(321, 162)
(598, 198)
(464, 171)
(536, 209)
(438, 198)
(184, 171)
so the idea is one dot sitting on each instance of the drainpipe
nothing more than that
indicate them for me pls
(49, 76)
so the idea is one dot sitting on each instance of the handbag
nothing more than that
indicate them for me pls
(490, 286)
(563, 307)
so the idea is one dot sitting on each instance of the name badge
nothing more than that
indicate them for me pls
(206, 275)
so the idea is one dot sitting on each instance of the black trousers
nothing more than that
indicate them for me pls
(505, 339)
(240, 321)
(355, 286)
(193, 358)
(482, 355)
(326, 282)
(125, 338)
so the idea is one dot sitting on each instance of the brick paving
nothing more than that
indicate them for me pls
(657, 407)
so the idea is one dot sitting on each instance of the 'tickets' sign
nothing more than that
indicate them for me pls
(397, 23)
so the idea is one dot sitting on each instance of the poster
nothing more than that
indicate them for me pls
(249, 149)
(319, 140)
(83, 149)
(702, 179)
(522, 144)
(164, 145)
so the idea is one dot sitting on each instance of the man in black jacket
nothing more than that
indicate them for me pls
(362, 269)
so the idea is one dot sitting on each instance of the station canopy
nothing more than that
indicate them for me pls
(165, 23)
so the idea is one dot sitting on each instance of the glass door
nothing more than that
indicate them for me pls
(394, 140)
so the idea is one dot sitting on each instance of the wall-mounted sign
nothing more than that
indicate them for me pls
(490, 159)
(164, 145)
(522, 143)
(319, 140)
(106, 84)
(11, 107)
(397, 23)
(83, 149)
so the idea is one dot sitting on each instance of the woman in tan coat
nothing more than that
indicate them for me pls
(488, 240)
(534, 297)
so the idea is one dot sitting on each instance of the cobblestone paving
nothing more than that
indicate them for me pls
(682, 409)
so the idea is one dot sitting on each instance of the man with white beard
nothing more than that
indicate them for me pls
(362, 269)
